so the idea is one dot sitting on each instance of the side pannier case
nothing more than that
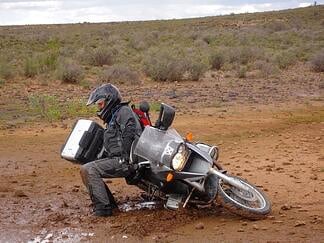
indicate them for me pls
(84, 143)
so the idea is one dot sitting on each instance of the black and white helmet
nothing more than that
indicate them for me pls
(110, 95)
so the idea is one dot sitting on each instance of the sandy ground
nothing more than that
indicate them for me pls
(280, 149)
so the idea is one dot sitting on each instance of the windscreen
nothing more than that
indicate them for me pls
(158, 146)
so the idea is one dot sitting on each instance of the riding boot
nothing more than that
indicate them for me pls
(99, 208)
(112, 201)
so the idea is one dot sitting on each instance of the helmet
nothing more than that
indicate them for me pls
(144, 106)
(110, 95)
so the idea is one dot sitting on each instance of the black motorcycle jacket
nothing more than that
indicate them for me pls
(121, 131)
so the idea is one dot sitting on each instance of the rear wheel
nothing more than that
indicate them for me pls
(251, 203)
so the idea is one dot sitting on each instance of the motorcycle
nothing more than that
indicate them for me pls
(181, 172)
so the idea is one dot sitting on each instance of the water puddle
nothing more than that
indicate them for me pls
(126, 207)
(65, 235)
(75, 235)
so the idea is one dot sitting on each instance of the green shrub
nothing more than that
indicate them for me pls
(119, 74)
(40, 63)
(155, 106)
(162, 66)
(96, 56)
(195, 69)
(78, 108)
(101, 56)
(83, 56)
(284, 59)
(317, 62)
(266, 68)
(246, 55)
(217, 60)
(70, 73)
(243, 54)
(45, 106)
(241, 72)
(49, 60)
(174, 70)
(31, 67)
(199, 43)
(139, 41)
(208, 38)
(276, 25)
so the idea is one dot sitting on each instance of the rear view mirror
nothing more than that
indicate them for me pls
(166, 117)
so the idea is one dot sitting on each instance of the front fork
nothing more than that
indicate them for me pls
(230, 180)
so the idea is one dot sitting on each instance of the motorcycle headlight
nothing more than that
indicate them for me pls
(180, 158)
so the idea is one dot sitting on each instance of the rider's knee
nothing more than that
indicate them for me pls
(83, 170)
(88, 170)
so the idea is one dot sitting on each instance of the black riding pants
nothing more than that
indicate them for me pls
(92, 174)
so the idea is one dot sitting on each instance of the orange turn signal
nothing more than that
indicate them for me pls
(189, 137)
(169, 177)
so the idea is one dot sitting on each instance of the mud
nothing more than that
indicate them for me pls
(280, 149)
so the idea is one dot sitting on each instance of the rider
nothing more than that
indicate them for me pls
(122, 128)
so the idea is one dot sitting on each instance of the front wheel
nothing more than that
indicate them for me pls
(251, 203)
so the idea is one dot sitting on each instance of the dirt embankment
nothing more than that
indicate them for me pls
(42, 197)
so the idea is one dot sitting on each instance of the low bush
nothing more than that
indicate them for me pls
(49, 60)
(241, 72)
(208, 39)
(195, 69)
(31, 67)
(70, 73)
(276, 25)
(243, 54)
(217, 60)
(163, 67)
(40, 63)
(317, 61)
(266, 69)
(6, 71)
(285, 58)
(119, 74)
(139, 41)
(101, 56)
(83, 56)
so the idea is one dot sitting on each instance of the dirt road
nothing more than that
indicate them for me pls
(42, 198)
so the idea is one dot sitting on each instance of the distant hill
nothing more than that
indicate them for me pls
(163, 50)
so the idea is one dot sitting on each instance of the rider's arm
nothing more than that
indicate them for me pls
(127, 125)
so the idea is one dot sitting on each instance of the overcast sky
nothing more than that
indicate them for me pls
(73, 11)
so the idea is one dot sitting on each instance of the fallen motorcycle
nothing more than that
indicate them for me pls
(173, 168)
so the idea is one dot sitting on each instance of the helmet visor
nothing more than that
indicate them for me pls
(92, 98)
